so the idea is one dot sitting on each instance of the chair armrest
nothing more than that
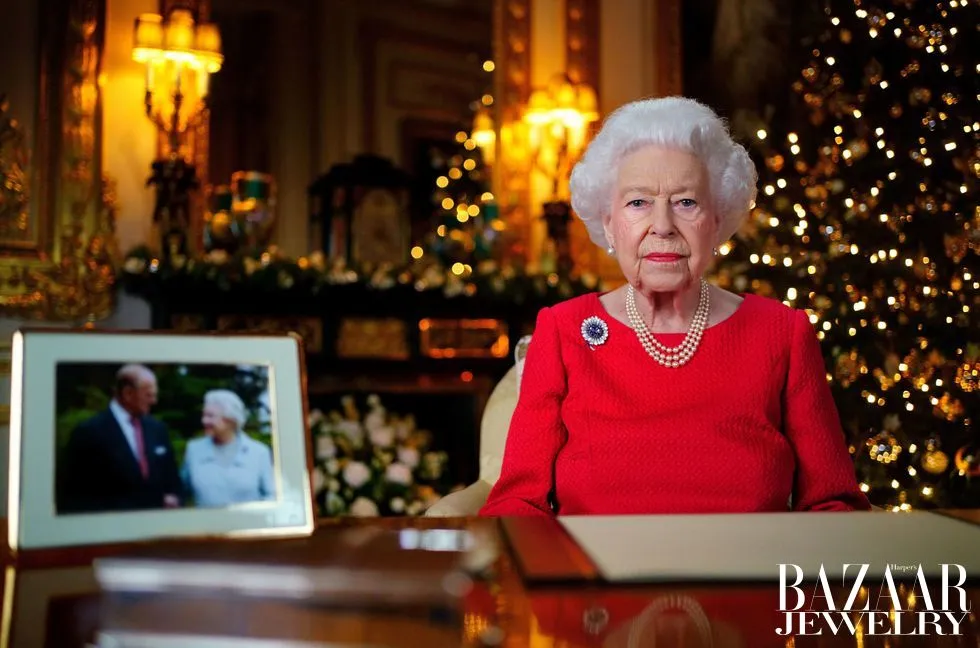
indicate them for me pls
(462, 503)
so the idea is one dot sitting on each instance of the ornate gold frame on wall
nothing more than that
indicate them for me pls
(57, 242)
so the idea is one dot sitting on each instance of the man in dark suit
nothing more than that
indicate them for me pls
(121, 459)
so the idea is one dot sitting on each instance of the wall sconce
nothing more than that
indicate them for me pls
(180, 56)
(558, 119)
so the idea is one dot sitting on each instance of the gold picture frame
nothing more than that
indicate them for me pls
(57, 242)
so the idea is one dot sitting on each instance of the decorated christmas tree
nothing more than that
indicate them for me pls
(464, 213)
(868, 218)
(466, 223)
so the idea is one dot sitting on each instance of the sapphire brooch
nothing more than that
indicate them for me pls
(594, 331)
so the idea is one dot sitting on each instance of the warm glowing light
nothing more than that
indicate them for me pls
(761, 134)
(442, 182)
(447, 203)
(417, 252)
(488, 66)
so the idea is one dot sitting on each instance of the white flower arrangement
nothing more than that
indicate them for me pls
(379, 465)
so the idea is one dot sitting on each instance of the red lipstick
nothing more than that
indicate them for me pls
(663, 257)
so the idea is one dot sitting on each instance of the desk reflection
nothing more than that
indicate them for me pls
(726, 618)
(63, 607)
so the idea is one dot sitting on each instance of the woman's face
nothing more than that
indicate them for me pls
(215, 424)
(661, 222)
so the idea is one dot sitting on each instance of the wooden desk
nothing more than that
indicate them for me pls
(61, 606)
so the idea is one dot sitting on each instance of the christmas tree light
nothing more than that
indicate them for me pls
(868, 219)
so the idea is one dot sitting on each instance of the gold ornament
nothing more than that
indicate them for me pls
(920, 96)
(858, 148)
(934, 460)
(967, 461)
(775, 162)
(949, 408)
(916, 41)
(848, 368)
(956, 246)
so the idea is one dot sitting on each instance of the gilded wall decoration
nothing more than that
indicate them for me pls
(512, 54)
(56, 253)
(582, 41)
(14, 190)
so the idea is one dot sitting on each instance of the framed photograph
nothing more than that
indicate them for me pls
(120, 437)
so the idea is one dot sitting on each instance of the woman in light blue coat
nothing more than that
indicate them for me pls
(226, 466)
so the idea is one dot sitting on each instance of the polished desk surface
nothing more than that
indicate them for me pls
(52, 603)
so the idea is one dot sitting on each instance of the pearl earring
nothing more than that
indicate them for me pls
(610, 251)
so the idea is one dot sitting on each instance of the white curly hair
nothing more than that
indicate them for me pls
(229, 404)
(675, 122)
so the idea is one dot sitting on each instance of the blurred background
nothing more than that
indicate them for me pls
(389, 180)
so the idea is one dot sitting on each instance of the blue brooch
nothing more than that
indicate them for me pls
(594, 331)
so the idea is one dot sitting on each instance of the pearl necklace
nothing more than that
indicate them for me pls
(670, 356)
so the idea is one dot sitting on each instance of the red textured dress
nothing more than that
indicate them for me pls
(748, 425)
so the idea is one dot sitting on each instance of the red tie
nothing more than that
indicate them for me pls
(140, 449)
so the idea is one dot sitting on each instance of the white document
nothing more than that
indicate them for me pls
(751, 547)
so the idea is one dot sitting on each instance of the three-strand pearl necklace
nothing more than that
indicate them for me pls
(670, 356)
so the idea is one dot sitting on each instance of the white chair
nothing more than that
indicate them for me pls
(493, 436)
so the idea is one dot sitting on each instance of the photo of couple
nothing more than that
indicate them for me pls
(133, 437)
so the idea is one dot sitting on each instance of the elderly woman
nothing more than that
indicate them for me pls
(670, 395)
(226, 466)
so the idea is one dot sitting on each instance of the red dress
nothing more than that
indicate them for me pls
(748, 425)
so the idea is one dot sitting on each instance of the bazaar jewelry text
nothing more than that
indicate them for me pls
(940, 610)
